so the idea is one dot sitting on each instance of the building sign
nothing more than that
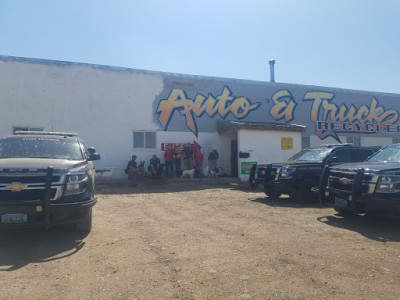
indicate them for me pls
(222, 105)
(245, 166)
(194, 145)
(287, 143)
(325, 113)
(330, 119)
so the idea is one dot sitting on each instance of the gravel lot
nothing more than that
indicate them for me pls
(204, 240)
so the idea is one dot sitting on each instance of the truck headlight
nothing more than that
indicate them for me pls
(288, 172)
(75, 184)
(388, 184)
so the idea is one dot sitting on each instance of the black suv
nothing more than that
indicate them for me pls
(297, 176)
(372, 186)
(46, 179)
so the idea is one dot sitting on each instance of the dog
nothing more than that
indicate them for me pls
(220, 171)
(212, 174)
(215, 172)
(189, 173)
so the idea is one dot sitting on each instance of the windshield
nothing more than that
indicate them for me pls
(388, 154)
(40, 147)
(311, 154)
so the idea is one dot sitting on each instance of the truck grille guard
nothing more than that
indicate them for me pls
(343, 181)
(353, 183)
(47, 196)
(269, 173)
(356, 189)
(43, 184)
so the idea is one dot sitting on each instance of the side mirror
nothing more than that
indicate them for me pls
(92, 154)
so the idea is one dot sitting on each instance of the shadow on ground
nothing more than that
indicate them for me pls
(166, 185)
(19, 248)
(381, 229)
(378, 228)
(285, 201)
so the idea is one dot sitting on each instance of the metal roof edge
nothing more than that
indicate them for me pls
(6, 58)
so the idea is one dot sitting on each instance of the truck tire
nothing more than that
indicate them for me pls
(86, 224)
(304, 193)
(252, 178)
(271, 193)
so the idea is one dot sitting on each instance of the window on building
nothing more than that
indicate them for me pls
(144, 139)
(20, 128)
(305, 142)
(395, 140)
(356, 141)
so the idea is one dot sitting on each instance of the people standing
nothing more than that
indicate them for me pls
(178, 161)
(188, 156)
(169, 161)
(198, 159)
(212, 160)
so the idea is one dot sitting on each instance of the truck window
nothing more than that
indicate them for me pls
(341, 156)
(40, 147)
(360, 154)
(388, 154)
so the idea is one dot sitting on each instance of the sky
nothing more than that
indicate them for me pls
(352, 44)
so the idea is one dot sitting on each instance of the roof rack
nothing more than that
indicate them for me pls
(336, 145)
(20, 132)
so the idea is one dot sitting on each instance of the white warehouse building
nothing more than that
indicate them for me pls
(122, 112)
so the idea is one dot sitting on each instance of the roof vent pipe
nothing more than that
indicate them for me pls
(272, 70)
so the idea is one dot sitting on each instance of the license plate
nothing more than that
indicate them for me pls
(14, 218)
(340, 202)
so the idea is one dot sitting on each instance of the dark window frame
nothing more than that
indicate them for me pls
(144, 139)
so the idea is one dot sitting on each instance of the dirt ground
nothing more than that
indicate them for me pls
(204, 240)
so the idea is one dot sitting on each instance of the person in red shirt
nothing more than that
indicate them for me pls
(198, 159)
(169, 161)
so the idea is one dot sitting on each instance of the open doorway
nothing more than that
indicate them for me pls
(234, 158)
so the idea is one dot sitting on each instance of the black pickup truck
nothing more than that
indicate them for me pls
(371, 186)
(298, 175)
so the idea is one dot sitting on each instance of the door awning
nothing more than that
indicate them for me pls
(233, 126)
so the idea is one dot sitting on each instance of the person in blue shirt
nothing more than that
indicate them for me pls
(132, 168)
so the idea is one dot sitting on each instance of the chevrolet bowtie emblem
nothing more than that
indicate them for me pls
(16, 187)
(344, 180)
